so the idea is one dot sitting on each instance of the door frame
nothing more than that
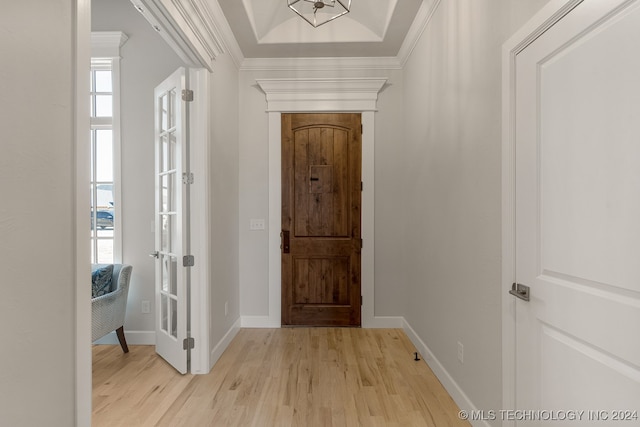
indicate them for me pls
(339, 95)
(548, 16)
(199, 128)
(199, 214)
(81, 45)
(198, 45)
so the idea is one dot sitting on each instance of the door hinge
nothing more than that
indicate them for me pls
(188, 261)
(360, 299)
(361, 244)
(361, 129)
(188, 343)
(361, 186)
(187, 177)
(187, 95)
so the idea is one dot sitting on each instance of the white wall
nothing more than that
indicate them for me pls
(254, 188)
(146, 61)
(450, 216)
(389, 291)
(37, 214)
(224, 202)
(253, 198)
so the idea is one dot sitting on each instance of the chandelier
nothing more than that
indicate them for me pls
(319, 12)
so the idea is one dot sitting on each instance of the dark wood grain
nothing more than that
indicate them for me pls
(321, 207)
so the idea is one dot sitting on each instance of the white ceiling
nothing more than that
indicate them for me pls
(269, 29)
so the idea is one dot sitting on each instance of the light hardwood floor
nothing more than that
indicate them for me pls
(277, 377)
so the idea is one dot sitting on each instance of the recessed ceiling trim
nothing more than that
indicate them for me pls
(269, 29)
(392, 7)
(251, 16)
(351, 31)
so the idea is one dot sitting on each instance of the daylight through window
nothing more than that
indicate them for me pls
(104, 220)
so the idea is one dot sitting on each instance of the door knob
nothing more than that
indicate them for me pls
(520, 291)
(155, 254)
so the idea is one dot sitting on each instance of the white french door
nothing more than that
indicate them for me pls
(577, 218)
(172, 220)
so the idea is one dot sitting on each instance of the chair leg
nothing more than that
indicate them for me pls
(123, 341)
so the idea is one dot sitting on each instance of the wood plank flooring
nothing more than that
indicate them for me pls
(303, 377)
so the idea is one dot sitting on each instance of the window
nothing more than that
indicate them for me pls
(103, 215)
(105, 210)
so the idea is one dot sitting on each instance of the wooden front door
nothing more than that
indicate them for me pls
(321, 199)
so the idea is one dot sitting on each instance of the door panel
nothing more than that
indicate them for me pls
(577, 210)
(321, 182)
(321, 280)
(321, 198)
(171, 220)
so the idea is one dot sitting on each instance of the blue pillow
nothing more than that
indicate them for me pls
(101, 281)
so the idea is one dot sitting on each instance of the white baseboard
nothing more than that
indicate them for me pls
(376, 322)
(259, 322)
(132, 337)
(459, 396)
(222, 345)
(380, 322)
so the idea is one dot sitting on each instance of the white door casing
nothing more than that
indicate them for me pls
(321, 95)
(572, 181)
(172, 219)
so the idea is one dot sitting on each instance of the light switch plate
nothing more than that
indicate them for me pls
(256, 224)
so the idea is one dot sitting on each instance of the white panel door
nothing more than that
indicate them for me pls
(577, 213)
(171, 221)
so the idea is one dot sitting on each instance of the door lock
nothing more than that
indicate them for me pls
(285, 242)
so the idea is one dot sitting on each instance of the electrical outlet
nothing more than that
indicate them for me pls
(226, 308)
(146, 308)
(460, 352)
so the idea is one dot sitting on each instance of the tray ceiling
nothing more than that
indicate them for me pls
(269, 29)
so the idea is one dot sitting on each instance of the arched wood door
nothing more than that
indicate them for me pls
(321, 215)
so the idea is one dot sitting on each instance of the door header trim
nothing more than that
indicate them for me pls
(315, 95)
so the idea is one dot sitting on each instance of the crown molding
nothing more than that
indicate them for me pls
(320, 64)
(198, 18)
(420, 23)
(343, 94)
(189, 27)
(224, 32)
(107, 44)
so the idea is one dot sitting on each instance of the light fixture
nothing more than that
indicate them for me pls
(319, 12)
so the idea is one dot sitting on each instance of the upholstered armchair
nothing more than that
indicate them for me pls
(108, 309)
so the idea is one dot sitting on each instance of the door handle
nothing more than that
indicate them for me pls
(285, 242)
(520, 291)
(155, 254)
